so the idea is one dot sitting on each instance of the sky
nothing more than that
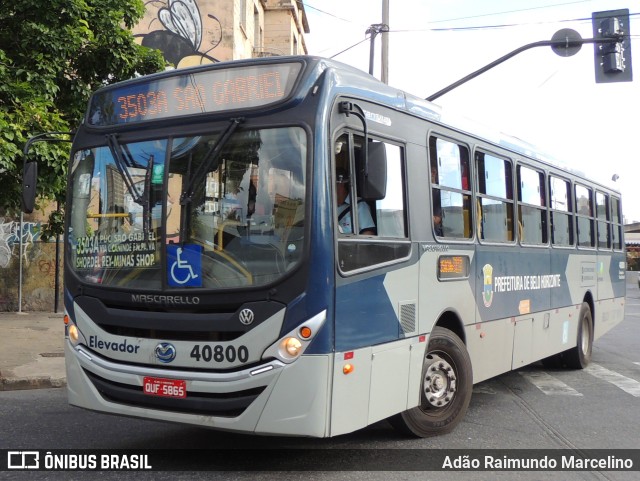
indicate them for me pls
(546, 100)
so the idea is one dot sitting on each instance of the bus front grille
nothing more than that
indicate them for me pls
(212, 404)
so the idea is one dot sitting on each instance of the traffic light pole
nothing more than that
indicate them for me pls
(570, 45)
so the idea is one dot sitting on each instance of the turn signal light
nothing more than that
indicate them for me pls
(347, 369)
(305, 332)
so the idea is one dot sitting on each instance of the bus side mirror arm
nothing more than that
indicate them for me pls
(349, 108)
(373, 187)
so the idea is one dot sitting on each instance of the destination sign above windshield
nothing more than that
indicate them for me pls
(193, 92)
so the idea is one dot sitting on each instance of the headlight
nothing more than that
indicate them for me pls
(74, 334)
(291, 346)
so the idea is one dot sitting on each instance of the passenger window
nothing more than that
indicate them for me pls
(561, 212)
(584, 216)
(616, 224)
(602, 214)
(495, 198)
(450, 189)
(532, 212)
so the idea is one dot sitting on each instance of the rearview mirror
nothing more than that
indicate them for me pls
(372, 176)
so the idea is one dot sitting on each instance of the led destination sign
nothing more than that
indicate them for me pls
(453, 267)
(186, 93)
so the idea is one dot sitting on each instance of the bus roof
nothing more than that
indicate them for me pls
(293, 82)
(430, 111)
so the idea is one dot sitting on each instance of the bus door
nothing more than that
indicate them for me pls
(376, 283)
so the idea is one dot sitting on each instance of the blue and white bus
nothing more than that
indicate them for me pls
(209, 281)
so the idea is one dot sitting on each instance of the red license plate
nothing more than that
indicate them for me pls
(155, 386)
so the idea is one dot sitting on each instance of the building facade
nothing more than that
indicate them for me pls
(632, 241)
(195, 32)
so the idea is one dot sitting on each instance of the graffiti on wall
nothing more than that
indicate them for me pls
(175, 27)
(10, 239)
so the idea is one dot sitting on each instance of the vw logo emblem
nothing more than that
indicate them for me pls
(165, 352)
(246, 316)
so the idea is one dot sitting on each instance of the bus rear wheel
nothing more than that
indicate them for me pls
(445, 391)
(580, 356)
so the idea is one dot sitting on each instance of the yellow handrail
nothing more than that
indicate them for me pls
(100, 216)
(219, 249)
(221, 232)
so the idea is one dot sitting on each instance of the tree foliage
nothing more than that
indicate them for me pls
(53, 55)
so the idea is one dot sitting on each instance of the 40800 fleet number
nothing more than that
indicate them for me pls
(219, 353)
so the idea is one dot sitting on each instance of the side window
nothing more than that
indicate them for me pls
(532, 212)
(603, 222)
(616, 224)
(494, 208)
(561, 212)
(361, 228)
(450, 189)
(390, 212)
(584, 216)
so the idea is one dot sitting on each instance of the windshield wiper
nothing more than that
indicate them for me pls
(141, 199)
(209, 158)
(207, 162)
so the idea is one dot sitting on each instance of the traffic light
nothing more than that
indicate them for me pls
(612, 59)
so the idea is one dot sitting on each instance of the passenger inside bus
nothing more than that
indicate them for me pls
(345, 219)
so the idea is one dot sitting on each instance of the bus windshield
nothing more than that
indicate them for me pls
(208, 211)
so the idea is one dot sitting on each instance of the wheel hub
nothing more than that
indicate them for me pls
(439, 382)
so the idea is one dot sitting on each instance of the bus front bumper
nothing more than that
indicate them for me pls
(272, 398)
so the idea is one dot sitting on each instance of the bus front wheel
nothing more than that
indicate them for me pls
(580, 356)
(445, 390)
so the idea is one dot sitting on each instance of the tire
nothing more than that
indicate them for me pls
(580, 356)
(445, 391)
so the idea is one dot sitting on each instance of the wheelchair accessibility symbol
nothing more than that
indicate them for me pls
(184, 266)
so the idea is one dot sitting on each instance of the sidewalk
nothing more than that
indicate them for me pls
(31, 350)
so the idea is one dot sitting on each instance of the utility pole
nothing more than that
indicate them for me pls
(384, 70)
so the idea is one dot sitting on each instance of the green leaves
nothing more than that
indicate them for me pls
(53, 55)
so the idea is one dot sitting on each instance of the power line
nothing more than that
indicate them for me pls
(478, 27)
(352, 46)
(499, 26)
(483, 27)
(306, 5)
(511, 11)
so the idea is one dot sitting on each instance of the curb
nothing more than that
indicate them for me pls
(44, 382)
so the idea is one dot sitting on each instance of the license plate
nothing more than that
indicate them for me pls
(155, 386)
